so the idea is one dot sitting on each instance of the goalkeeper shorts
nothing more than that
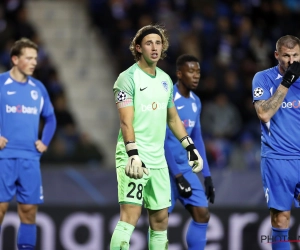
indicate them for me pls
(152, 190)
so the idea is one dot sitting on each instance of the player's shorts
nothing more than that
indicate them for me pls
(198, 197)
(281, 182)
(153, 190)
(21, 177)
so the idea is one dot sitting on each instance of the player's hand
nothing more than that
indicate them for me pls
(291, 75)
(209, 189)
(3, 142)
(195, 160)
(183, 186)
(40, 146)
(135, 168)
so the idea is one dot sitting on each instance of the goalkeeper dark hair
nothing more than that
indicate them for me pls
(288, 41)
(181, 60)
(146, 30)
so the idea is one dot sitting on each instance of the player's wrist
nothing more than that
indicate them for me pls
(286, 83)
(187, 143)
(131, 148)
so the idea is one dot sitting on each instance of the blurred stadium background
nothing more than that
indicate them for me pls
(83, 47)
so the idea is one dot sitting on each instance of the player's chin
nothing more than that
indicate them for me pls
(29, 72)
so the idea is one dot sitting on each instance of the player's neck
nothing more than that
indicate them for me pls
(281, 69)
(17, 75)
(183, 90)
(148, 68)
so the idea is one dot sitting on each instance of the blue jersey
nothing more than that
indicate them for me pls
(22, 104)
(280, 136)
(189, 110)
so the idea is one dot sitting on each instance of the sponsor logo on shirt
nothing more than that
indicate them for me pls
(21, 109)
(154, 106)
(291, 105)
(188, 123)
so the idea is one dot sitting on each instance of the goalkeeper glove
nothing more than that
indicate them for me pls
(291, 75)
(209, 189)
(195, 160)
(184, 187)
(135, 167)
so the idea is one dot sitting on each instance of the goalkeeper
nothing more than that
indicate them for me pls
(185, 184)
(144, 97)
(276, 95)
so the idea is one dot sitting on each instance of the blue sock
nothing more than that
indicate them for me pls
(196, 236)
(26, 236)
(279, 236)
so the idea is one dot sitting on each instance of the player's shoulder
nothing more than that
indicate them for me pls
(194, 97)
(35, 83)
(160, 72)
(126, 77)
(130, 71)
(270, 73)
(5, 78)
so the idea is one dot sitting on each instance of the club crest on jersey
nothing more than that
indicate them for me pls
(194, 107)
(165, 85)
(258, 92)
(34, 94)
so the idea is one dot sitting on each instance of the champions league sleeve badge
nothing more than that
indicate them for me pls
(165, 85)
(121, 96)
(258, 92)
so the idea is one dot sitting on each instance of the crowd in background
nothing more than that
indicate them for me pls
(233, 40)
(69, 144)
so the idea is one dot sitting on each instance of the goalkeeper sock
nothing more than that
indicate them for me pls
(26, 236)
(158, 240)
(280, 239)
(196, 235)
(121, 236)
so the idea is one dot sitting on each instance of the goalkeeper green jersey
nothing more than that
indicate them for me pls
(150, 96)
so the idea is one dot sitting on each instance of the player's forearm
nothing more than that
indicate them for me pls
(127, 131)
(177, 128)
(265, 109)
(173, 168)
(126, 115)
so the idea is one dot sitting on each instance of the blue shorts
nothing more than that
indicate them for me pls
(281, 182)
(21, 177)
(198, 197)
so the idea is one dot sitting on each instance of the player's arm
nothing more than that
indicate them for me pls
(3, 142)
(126, 116)
(208, 183)
(49, 128)
(47, 133)
(173, 168)
(135, 167)
(265, 109)
(183, 186)
(176, 126)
